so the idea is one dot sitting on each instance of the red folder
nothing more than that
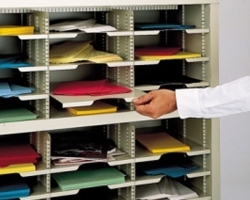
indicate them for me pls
(156, 50)
(17, 154)
(93, 88)
(110, 88)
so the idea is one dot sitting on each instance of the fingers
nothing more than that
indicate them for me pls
(156, 103)
(144, 99)
(144, 105)
(145, 109)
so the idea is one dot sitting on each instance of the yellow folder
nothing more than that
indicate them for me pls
(97, 107)
(179, 55)
(15, 30)
(17, 168)
(161, 143)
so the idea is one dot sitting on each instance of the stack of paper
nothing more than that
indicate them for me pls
(88, 26)
(13, 187)
(75, 51)
(70, 25)
(103, 57)
(92, 88)
(91, 176)
(72, 148)
(161, 142)
(166, 189)
(71, 51)
(80, 161)
(97, 107)
(12, 90)
(153, 191)
(16, 158)
(16, 30)
(99, 28)
(182, 192)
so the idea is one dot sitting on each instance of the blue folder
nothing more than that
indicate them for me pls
(172, 165)
(174, 171)
(4, 88)
(14, 64)
(13, 61)
(13, 186)
(162, 26)
(17, 90)
(7, 91)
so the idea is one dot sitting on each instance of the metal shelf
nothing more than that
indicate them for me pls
(74, 101)
(64, 120)
(155, 87)
(143, 155)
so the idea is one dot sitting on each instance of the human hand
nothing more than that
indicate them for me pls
(156, 103)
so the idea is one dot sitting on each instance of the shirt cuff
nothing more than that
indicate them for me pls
(188, 104)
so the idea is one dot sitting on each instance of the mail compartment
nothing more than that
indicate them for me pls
(101, 84)
(162, 150)
(109, 176)
(22, 167)
(166, 188)
(175, 37)
(26, 48)
(170, 27)
(104, 53)
(163, 132)
(22, 95)
(14, 186)
(167, 74)
(11, 24)
(23, 55)
(88, 29)
(75, 147)
(103, 192)
(77, 155)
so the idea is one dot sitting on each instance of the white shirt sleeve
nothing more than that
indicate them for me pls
(222, 100)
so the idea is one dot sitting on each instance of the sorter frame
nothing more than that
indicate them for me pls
(204, 131)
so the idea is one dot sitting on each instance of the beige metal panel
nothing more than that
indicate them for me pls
(98, 3)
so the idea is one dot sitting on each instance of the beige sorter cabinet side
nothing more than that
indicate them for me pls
(215, 123)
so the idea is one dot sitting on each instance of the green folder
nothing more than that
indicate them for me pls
(16, 114)
(88, 178)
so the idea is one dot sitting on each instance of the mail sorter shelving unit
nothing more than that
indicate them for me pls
(201, 134)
